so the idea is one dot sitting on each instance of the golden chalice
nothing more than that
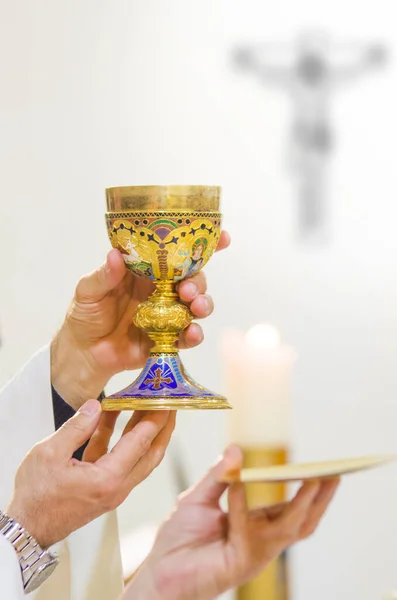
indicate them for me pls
(165, 233)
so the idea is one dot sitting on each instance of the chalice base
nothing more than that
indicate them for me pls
(164, 384)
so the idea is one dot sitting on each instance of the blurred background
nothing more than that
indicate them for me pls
(99, 93)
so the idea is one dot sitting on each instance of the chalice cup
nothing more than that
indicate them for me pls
(165, 234)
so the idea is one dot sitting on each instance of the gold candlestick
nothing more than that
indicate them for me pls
(272, 584)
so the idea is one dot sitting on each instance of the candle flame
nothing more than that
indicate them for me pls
(263, 336)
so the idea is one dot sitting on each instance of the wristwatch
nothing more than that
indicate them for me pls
(36, 564)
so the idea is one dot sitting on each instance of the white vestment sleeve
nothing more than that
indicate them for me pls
(90, 566)
(11, 587)
(26, 417)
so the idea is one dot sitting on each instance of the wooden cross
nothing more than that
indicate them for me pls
(309, 71)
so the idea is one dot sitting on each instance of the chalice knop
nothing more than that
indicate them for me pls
(166, 234)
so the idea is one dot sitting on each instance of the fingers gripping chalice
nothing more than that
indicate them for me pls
(166, 234)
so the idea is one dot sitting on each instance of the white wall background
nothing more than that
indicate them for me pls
(97, 93)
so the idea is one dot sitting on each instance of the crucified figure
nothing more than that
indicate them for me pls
(309, 71)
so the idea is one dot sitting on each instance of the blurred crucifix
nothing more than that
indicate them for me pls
(309, 71)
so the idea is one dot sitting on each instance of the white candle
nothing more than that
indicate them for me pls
(257, 370)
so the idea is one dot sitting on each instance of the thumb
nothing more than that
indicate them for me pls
(97, 284)
(210, 489)
(77, 430)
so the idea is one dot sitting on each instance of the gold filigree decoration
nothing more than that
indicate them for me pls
(163, 317)
(177, 215)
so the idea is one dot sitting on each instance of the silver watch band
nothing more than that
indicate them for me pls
(32, 558)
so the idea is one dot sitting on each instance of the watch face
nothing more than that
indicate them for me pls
(40, 576)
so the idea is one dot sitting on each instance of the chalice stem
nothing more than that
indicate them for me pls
(169, 318)
(163, 317)
(164, 383)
